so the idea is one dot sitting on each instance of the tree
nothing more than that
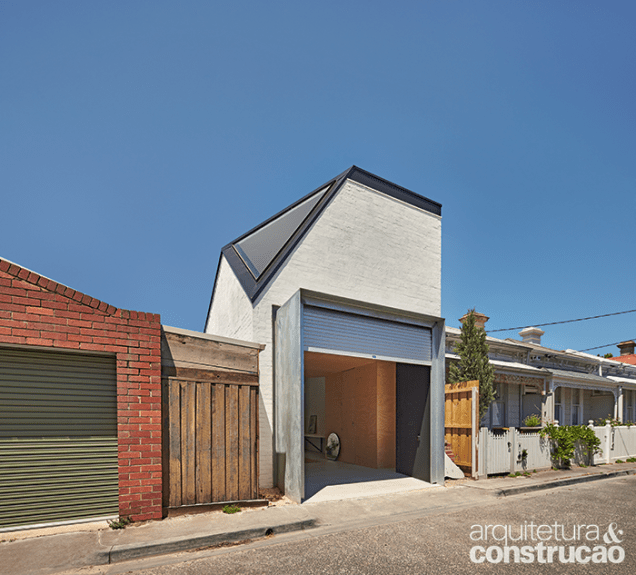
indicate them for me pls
(473, 362)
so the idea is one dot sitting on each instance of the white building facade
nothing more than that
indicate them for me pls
(358, 246)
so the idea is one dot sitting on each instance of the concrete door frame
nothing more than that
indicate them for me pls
(289, 385)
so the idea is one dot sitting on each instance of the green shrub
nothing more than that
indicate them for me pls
(613, 422)
(120, 523)
(231, 509)
(564, 440)
(532, 421)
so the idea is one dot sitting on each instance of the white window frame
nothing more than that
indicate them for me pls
(558, 405)
(499, 392)
(628, 405)
(576, 403)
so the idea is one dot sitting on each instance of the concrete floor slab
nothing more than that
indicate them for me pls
(333, 481)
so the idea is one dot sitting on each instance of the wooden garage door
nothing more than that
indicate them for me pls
(58, 437)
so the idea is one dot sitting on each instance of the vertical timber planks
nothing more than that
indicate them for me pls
(254, 441)
(243, 433)
(218, 443)
(174, 442)
(209, 420)
(203, 443)
(211, 442)
(231, 443)
(460, 425)
(188, 443)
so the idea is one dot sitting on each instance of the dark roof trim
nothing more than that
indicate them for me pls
(253, 287)
(390, 189)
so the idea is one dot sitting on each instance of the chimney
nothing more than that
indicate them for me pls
(480, 319)
(627, 347)
(531, 335)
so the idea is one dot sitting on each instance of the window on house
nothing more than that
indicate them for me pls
(629, 406)
(497, 407)
(576, 407)
(558, 407)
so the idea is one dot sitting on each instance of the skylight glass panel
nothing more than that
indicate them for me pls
(259, 248)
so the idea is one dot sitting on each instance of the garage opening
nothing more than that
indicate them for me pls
(369, 372)
(368, 404)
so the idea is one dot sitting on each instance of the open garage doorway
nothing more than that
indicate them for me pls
(376, 408)
(400, 412)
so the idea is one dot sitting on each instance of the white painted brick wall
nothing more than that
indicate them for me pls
(366, 246)
(231, 312)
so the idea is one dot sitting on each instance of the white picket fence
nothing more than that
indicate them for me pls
(512, 450)
(616, 443)
(504, 452)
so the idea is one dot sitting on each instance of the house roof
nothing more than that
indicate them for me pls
(509, 365)
(624, 380)
(589, 377)
(631, 358)
(256, 256)
(456, 332)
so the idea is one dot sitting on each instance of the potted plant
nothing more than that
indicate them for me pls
(531, 423)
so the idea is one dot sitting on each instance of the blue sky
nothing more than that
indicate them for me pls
(137, 138)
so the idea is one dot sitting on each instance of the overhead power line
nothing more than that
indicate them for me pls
(606, 345)
(565, 321)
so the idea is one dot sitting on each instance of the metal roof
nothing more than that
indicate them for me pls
(622, 380)
(589, 377)
(256, 256)
(510, 365)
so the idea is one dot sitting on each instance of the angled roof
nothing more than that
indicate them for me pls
(631, 358)
(590, 377)
(256, 256)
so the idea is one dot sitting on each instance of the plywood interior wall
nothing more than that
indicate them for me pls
(386, 414)
(359, 407)
(315, 403)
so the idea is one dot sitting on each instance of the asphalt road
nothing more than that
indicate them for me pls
(441, 543)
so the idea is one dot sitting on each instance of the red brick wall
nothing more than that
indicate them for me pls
(37, 311)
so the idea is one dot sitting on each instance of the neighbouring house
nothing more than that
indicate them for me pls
(104, 412)
(569, 386)
(627, 354)
(343, 288)
(80, 405)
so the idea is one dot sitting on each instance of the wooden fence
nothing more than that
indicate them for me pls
(209, 420)
(212, 442)
(461, 423)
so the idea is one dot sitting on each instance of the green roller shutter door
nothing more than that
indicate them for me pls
(58, 437)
